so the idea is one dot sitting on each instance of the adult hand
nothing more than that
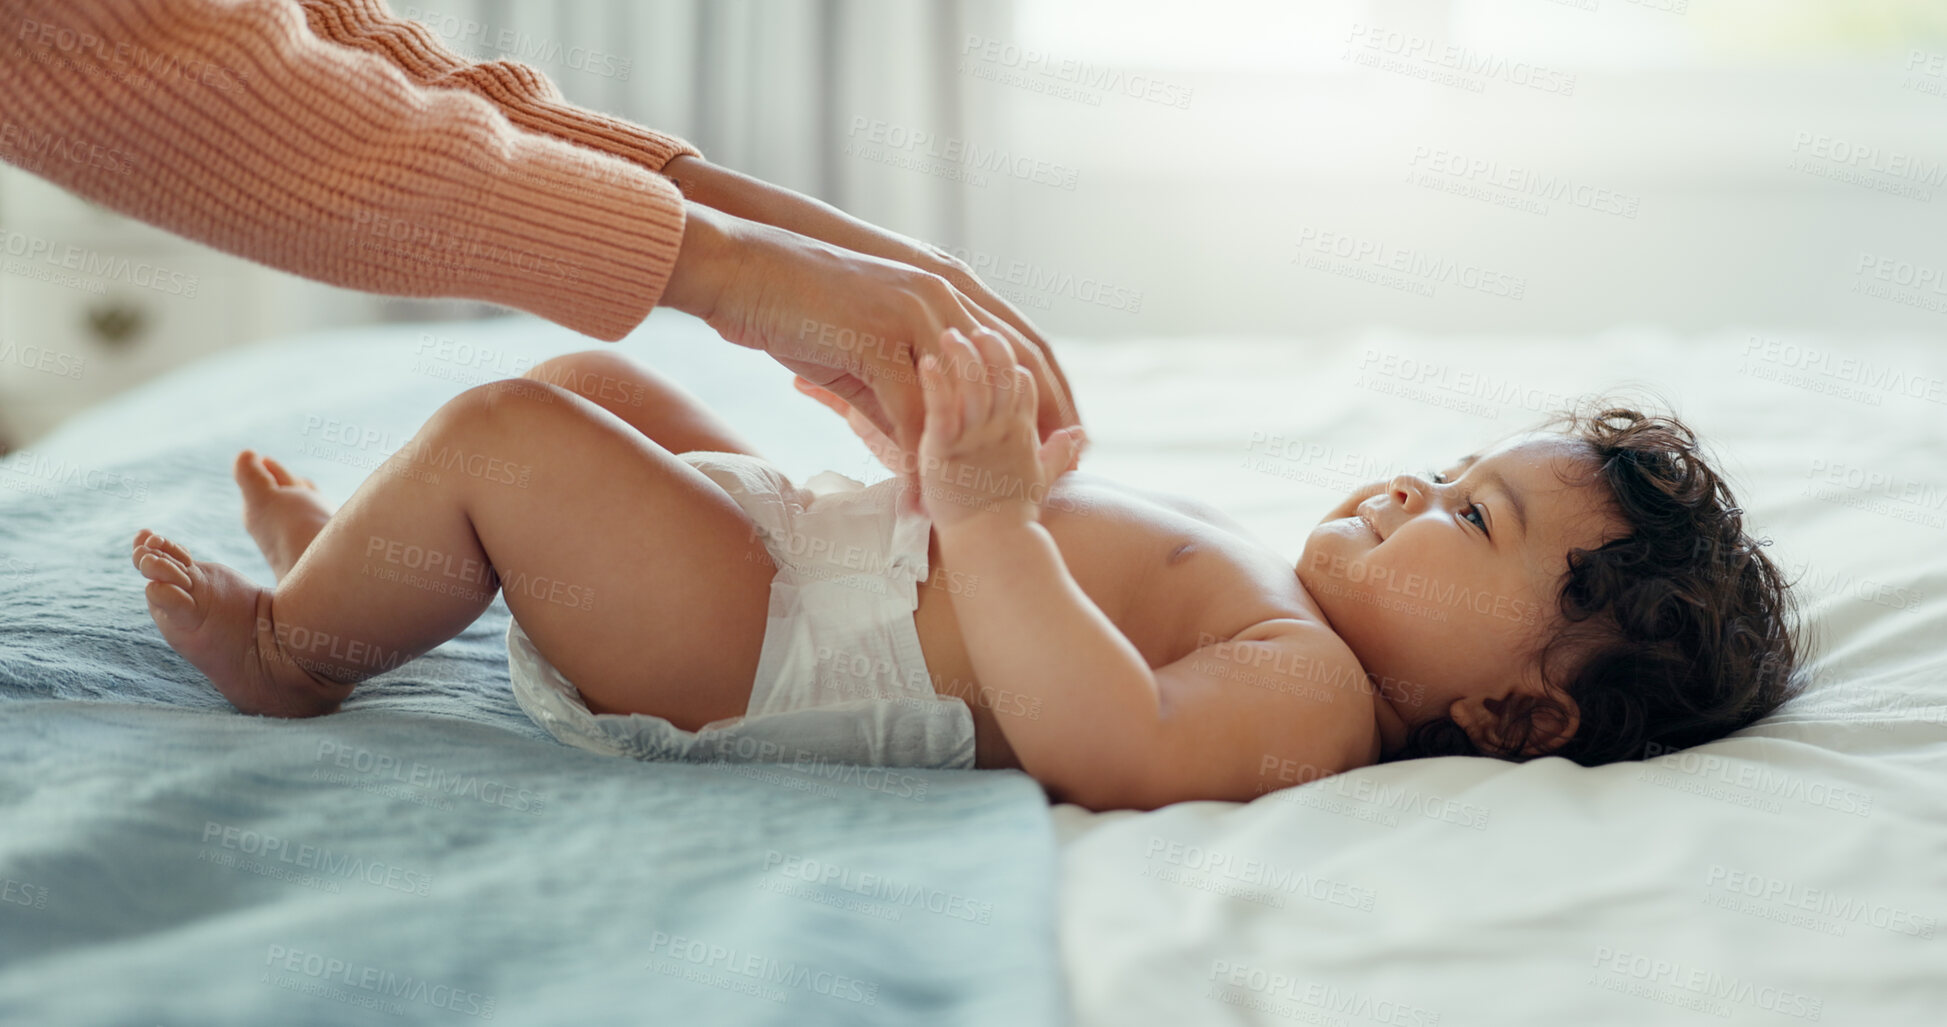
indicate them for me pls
(849, 322)
(751, 199)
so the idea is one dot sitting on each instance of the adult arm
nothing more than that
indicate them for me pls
(233, 123)
(230, 122)
(530, 100)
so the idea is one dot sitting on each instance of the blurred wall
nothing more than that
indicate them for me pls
(1515, 166)
(1142, 167)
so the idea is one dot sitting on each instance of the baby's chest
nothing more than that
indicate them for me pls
(1170, 585)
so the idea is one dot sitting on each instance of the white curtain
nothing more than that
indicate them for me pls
(772, 88)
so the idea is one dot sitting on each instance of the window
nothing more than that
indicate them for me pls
(1630, 35)
(1308, 36)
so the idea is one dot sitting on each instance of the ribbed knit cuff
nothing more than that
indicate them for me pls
(605, 236)
(527, 97)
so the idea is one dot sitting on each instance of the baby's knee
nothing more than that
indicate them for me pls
(510, 403)
(583, 372)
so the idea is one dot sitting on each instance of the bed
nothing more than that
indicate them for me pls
(430, 855)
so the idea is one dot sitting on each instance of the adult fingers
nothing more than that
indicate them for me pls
(869, 402)
(824, 396)
(1054, 408)
(932, 309)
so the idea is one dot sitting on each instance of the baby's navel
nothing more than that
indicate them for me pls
(1180, 553)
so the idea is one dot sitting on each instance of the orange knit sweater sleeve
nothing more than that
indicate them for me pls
(234, 123)
(527, 97)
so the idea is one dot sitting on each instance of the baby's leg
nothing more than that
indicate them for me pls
(650, 402)
(634, 574)
(284, 512)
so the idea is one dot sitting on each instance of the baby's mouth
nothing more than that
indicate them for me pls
(1371, 523)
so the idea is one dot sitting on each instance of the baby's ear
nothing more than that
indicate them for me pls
(1483, 725)
(1492, 724)
(1553, 723)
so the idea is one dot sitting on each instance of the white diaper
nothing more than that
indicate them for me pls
(841, 677)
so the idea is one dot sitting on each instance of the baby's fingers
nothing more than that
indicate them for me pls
(1021, 399)
(1057, 455)
(1000, 377)
(972, 379)
(942, 402)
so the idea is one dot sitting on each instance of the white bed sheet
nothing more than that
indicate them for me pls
(1794, 873)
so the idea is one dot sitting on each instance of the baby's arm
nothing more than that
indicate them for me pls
(1103, 736)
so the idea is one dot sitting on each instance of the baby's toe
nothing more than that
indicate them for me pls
(175, 552)
(157, 566)
(281, 473)
(169, 600)
(140, 546)
(251, 475)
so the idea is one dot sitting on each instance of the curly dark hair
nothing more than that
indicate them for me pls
(1678, 633)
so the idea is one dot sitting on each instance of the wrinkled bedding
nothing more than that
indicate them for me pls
(429, 855)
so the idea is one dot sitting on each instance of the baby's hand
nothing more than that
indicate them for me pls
(978, 455)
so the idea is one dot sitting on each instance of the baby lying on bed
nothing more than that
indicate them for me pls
(1585, 590)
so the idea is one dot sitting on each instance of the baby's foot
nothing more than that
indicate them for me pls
(282, 511)
(221, 623)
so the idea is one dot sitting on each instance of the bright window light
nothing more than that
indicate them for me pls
(1308, 36)
(1204, 35)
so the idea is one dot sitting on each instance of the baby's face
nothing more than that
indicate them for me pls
(1443, 582)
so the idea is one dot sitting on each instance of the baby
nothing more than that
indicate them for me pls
(1583, 590)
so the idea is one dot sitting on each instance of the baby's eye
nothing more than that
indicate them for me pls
(1475, 511)
(1439, 477)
